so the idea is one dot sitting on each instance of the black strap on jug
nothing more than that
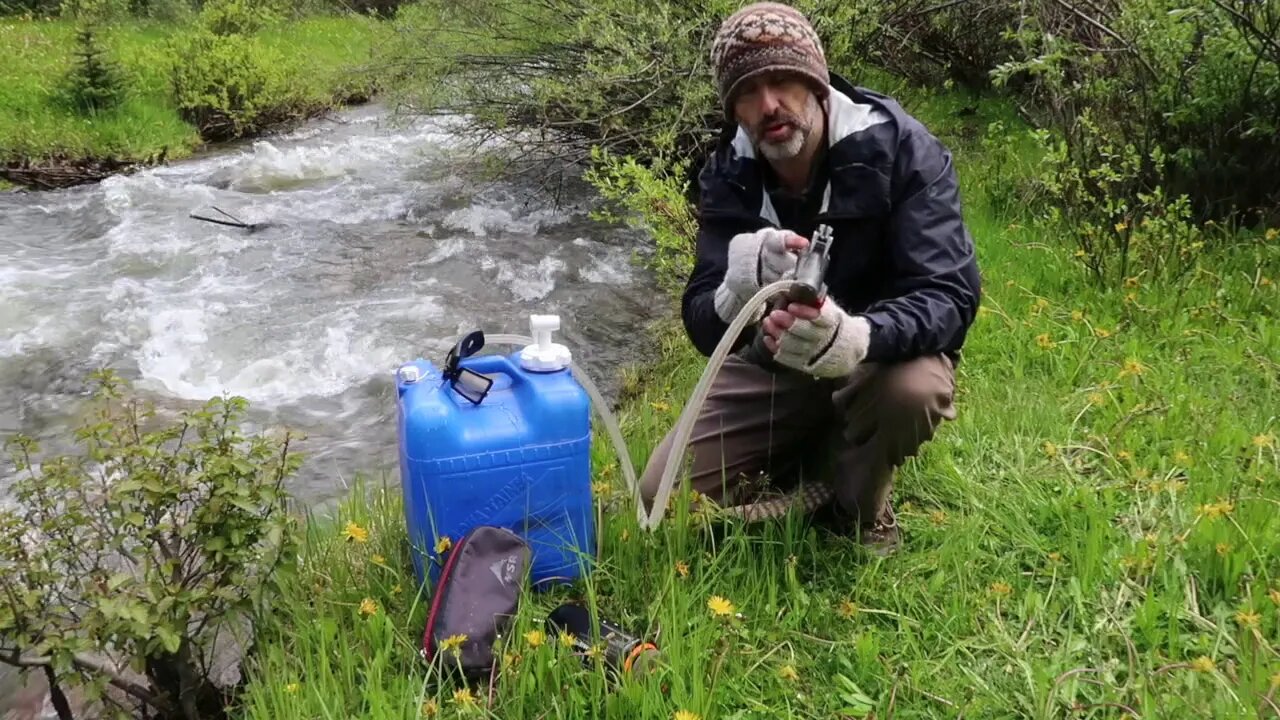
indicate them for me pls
(469, 384)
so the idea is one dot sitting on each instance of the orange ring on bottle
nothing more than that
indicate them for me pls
(631, 656)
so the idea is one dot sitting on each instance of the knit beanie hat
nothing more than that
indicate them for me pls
(764, 37)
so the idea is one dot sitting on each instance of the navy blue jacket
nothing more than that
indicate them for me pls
(900, 253)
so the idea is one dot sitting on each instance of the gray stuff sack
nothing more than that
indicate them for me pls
(476, 595)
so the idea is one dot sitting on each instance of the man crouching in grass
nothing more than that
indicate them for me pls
(861, 383)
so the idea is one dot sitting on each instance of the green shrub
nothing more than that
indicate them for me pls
(237, 17)
(1194, 84)
(229, 86)
(929, 42)
(653, 196)
(143, 549)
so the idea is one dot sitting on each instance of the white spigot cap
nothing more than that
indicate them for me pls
(544, 355)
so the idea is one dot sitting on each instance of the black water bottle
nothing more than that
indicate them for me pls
(623, 652)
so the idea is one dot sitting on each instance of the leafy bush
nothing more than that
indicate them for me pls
(237, 17)
(1191, 88)
(653, 196)
(136, 556)
(929, 42)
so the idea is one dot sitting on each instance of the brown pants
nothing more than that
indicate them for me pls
(783, 425)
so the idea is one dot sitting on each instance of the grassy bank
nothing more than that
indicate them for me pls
(319, 57)
(1094, 536)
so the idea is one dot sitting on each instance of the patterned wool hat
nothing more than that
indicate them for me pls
(763, 37)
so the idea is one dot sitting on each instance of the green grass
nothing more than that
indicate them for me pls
(1095, 533)
(326, 53)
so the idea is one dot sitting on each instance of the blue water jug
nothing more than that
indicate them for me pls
(502, 440)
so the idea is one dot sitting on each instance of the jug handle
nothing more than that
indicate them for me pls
(496, 364)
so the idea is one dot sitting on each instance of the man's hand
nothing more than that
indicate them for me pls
(756, 259)
(825, 342)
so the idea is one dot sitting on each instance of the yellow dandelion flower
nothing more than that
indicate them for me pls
(719, 606)
(1132, 367)
(1182, 458)
(1131, 282)
(1272, 234)
(1263, 441)
(1044, 341)
(1102, 332)
(848, 608)
(595, 652)
(443, 545)
(1275, 597)
(453, 642)
(1203, 664)
(660, 406)
(1000, 588)
(464, 697)
(682, 568)
(1176, 485)
(430, 708)
(686, 715)
(1248, 618)
(535, 638)
(510, 659)
(378, 560)
(292, 688)
(937, 517)
(1124, 456)
(1223, 548)
(1077, 315)
(1055, 557)
(1096, 398)
(1041, 304)
(1121, 226)
(368, 606)
(1216, 510)
(354, 532)
(788, 672)
(1081, 253)
(567, 640)
(1050, 449)
(602, 489)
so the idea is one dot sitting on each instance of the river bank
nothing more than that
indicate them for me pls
(321, 60)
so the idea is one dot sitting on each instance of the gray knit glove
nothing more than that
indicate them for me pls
(830, 345)
(755, 260)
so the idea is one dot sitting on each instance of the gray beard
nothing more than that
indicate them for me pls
(785, 150)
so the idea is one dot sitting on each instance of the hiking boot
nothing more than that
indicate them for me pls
(881, 537)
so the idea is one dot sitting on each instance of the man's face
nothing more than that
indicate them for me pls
(779, 112)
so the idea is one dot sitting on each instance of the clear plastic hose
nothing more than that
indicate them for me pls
(684, 425)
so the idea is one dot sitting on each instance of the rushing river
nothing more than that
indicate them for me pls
(378, 251)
